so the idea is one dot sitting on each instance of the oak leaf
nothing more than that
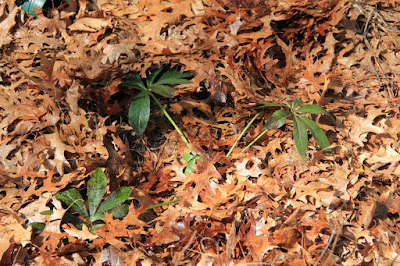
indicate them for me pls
(88, 24)
(59, 149)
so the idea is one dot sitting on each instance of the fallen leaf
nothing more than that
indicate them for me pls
(88, 24)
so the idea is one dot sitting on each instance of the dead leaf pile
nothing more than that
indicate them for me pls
(63, 113)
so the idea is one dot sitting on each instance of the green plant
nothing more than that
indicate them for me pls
(158, 82)
(300, 124)
(95, 192)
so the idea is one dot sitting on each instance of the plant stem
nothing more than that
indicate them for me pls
(241, 134)
(172, 122)
(251, 144)
(162, 204)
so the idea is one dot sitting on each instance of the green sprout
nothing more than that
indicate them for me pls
(158, 82)
(300, 124)
(96, 190)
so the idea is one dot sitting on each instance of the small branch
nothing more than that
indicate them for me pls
(178, 260)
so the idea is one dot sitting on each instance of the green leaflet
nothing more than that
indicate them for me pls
(191, 160)
(300, 136)
(95, 193)
(73, 198)
(139, 112)
(163, 90)
(134, 81)
(277, 120)
(96, 190)
(297, 103)
(152, 77)
(313, 109)
(174, 77)
(120, 211)
(117, 197)
(317, 133)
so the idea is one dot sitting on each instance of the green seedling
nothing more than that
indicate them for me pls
(158, 82)
(191, 160)
(300, 124)
(95, 192)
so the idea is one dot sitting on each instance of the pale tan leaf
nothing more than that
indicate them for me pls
(88, 24)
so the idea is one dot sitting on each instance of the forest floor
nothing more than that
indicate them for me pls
(64, 113)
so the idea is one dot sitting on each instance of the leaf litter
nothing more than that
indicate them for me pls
(63, 115)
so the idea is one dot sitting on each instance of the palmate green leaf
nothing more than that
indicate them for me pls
(297, 103)
(72, 219)
(37, 228)
(139, 112)
(267, 104)
(116, 197)
(162, 90)
(277, 119)
(188, 156)
(317, 133)
(313, 109)
(73, 198)
(300, 136)
(120, 211)
(191, 159)
(96, 190)
(134, 80)
(152, 77)
(173, 77)
(95, 226)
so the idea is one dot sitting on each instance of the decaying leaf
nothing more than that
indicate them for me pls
(64, 113)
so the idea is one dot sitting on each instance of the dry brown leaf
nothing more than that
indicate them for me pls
(12, 231)
(6, 25)
(89, 24)
(83, 234)
(59, 149)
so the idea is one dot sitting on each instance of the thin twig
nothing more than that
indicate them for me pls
(334, 244)
(229, 242)
(203, 248)
(394, 260)
(178, 260)
(334, 237)
(379, 248)
(390, 92)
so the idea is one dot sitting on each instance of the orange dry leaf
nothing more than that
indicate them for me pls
(63, 114)
(12, 232)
